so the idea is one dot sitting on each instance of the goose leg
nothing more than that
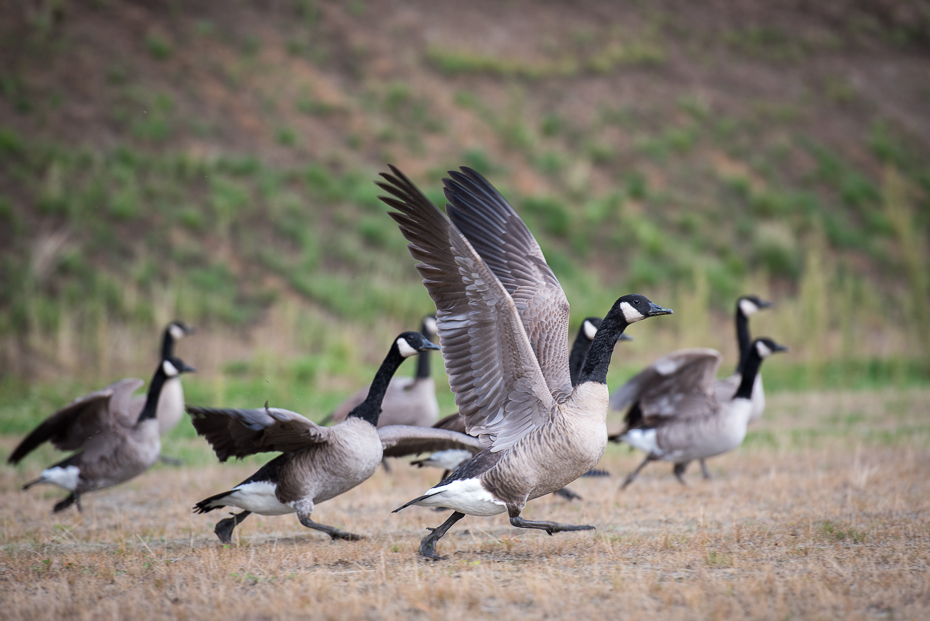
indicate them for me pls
(73, 498)
(679, 470)
(632, 475)
(428, 545)
(567, 494)
(305, 509)
(549, 527)
(224, 528)
(704, 470)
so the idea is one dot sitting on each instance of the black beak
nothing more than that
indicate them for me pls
(781, 347)
(189, 329)
(186, 368)
(765, 304)
(429, 345)
(656, 310)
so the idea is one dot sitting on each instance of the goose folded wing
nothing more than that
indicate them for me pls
(71, 427)
(680, 385)
(401, 440)
(510, 251)
(499, 387)
(238, 433)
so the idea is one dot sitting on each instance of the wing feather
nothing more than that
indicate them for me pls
(503, 241)
(238, 433)
(71, 427)
(488, 356)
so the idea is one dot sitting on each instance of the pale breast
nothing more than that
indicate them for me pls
(550, 457)
(321, 472)
(170, 406)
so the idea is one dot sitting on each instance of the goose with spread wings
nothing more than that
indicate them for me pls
(317, 463)
(680, 417)
(502, 319)
(451, 459)
(628, 396)
(117, 441)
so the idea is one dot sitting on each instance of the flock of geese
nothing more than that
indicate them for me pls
(531, 413)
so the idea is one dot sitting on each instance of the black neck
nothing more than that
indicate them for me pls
(423, 362)
(150, 409)
(370, 409)
(579, 351)
(597, 361)
(750, 366)
(167, 345)
(742, 337)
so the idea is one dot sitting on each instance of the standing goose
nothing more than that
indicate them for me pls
(408, 401)
(452, 458)
(679, 416)
(503, 324)
(171, 404)
(628, 395)
(746, 307)
(118, 443)
(318, 463)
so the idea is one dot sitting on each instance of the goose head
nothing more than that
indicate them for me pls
(412, 343)
(749, 305)
(174, 366)
(429, 328)
(637, 307)
(765, 347)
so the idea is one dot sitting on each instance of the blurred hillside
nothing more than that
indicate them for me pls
(213, 161)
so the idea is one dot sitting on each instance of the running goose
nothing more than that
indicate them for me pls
(408, 401)
(679, 416)
(628, 395)
(503, 323)
(118, 443)
(318, 463)
(452, 458)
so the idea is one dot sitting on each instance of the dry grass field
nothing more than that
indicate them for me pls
(823, 513)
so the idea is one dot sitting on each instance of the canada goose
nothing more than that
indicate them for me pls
(746, 307)
(451, 459)
(679, 416)
(503, 323)
(318, 463)
(118, 443)
(171, 403)
(408, 401)
(628, 395)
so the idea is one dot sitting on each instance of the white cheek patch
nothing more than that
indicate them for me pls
(630, 314)
(177, 333)
(430, 324)
(589, 330)
(169, 369)
(763, 349)
(405, 349)
(748, 308)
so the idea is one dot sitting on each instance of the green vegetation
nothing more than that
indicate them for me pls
(227, 215)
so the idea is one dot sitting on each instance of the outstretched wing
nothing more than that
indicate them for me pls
(452, 422)
(493, 371)
(86, 417)
(238, 433)
(401, 440)
(676, 385)
(511, 252)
